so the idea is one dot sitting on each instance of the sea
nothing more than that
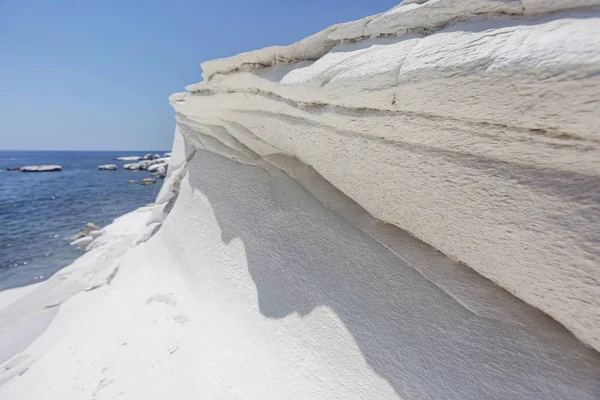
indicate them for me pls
(39, 211)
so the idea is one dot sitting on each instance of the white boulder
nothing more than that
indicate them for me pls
(107, 167)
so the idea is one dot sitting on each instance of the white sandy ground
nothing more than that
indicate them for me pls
(261, 273)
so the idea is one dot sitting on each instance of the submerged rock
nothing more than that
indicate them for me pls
(13, 169)
(41, 168)
(147, 181)
(107, 167)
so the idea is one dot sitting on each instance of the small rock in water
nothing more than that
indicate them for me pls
(131, 181)
(85, 231)
(41, 168)
(147, 181)
(13, 169)
(128, 158)
(107, 167)
(82, 242)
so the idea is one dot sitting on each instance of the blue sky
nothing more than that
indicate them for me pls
(96, 75)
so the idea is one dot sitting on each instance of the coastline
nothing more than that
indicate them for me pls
(40, 212)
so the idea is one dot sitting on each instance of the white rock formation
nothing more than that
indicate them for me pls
(287, 255)
(107, 167)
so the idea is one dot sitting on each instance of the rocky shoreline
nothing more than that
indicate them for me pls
(156, 164)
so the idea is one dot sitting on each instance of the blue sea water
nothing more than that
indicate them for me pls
(39, 211)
